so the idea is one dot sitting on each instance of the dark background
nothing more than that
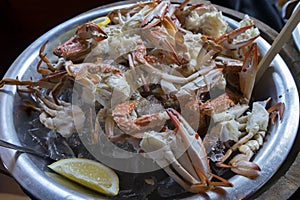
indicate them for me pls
(23, 21)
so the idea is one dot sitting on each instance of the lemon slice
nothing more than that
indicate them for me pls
(102, 21)
(88, 173)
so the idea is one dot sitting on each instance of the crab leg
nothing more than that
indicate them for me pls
(44, 59)
(177, 79)
(162, 39)
(10, 81)
(139, 55)
(194, 160)
(227, 40)
(156, 15)
(191, 140)
(157, 147)
(64, 118)
(139, 52)
(256, 127)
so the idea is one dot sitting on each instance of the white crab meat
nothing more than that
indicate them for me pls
(227, 130)
(226, 126)
(258, 119)
(249, 33)
(213, 80)
(194, 44)
(120, 89)
(64, 119)
(112, 91)
(233, 113)
(209, 23)
(157, 146)
(116, 46)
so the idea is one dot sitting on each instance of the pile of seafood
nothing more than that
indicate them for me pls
(172, 81)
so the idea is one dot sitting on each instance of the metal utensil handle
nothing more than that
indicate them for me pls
(22, 149)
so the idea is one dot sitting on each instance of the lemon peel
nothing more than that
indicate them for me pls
(102, 21)
(88, 173)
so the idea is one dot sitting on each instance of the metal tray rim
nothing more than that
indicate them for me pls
(16, 166)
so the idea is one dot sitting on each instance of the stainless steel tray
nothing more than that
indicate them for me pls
(277, 83)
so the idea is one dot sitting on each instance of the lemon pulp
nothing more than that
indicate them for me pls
(102, 21)
(89, 173)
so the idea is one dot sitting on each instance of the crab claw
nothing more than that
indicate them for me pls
(91, 30)
(191, 140)
(275, 110)
(243, 168)
(78, 46)
(194, 160)
(246, 168)
(182, 155)
(73, 49)
(249, 70)
(123, 116)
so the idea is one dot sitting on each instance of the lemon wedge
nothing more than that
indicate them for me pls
(102, 21)
(88, 173)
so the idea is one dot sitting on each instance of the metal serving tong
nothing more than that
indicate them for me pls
(27, 150)
(277, 44)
